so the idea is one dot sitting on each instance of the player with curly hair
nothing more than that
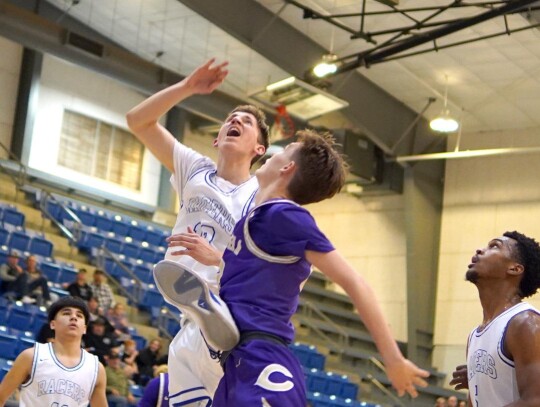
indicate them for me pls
(503, 352)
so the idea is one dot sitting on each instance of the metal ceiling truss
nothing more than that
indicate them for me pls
(420, 31)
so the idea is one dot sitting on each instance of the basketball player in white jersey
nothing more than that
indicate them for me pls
(61, 373)
(213, 197)
(503, 353)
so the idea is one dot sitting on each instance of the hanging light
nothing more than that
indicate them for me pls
(444, 123)
(327, 66)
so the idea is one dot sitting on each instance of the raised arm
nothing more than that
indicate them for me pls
(143, 118)
(99, 398)
(523, 344)
(18, 374)
(403, 374)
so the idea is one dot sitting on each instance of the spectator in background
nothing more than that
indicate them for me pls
(129, 354)
(440, 402)
(117, 318)
(156, 392)
(462, 404)
(102, 291)
(37, 286)
(146, 360)
(80, 288)
(452, 401)
(98, 341)
(118, 393)
(13, 277)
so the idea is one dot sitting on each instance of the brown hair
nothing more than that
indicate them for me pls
(321, 169)
(264, 129)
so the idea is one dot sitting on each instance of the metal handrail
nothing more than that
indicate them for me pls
(343, 335)
(386, 392)
(77, 224)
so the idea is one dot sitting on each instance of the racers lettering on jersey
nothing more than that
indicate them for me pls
(482, 362)
(61, 386)
(214, 209)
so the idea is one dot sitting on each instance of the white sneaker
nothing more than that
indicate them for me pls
(190, 293)
(28, 300)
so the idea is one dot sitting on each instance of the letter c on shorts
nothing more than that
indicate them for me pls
(264, 378)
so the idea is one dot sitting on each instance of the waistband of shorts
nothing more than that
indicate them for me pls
(249, 336)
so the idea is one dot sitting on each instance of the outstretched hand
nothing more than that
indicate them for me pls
(206, 78)
(460, 379)
(406, 377)
(193, 245)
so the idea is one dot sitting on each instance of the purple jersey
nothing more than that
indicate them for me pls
(265, 266)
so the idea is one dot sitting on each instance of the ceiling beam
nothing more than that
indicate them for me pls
(373, 111)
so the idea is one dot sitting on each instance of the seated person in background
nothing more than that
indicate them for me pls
(146, 360)
(118, 392)
(97, 341)
(102, 291)
(156, 392)
(80, 288)
(37, 284)
(129, 354)
(440, 402)
(117, 318)
(13, 277)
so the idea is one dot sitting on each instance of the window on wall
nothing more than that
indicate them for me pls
(101, 150)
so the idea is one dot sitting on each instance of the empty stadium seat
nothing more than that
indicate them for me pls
(41, 246)
(12, 218)
(19, 317)
(8, 344)
(68, 274)
(19, 240)
(4, 236)
(50, 270)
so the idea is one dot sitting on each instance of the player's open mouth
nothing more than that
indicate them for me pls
(233, 132)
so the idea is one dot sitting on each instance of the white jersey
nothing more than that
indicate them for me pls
(492, 375)
(51, 384)
(210, 205)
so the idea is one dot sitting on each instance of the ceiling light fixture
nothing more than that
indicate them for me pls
(444, 123)
(327, 66)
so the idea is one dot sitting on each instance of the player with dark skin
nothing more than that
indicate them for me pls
(504, 272)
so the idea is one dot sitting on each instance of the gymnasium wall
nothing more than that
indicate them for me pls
(370, 233)
(483, 198)
(10, 63)
(66, 86)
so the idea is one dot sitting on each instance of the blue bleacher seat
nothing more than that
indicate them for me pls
(103, 222)
(12, 217)
(140, 340)
(50, 270)
(130, 250)
(4, 236)
(4, 250)
(143, 273)
(151, 298)
(40, 318)
(8, 344)
(90, 240)
(154, 236)
(85, 216)
(136, 390)
(113, 244)
(41, 246)
(68, 274)
(19, 240)
(19, 317)
(136, 232)
(147, 254)
(24, 343)
(120, 227)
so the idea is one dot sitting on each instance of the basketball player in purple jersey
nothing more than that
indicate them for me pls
(213, 197)
(265, 265)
